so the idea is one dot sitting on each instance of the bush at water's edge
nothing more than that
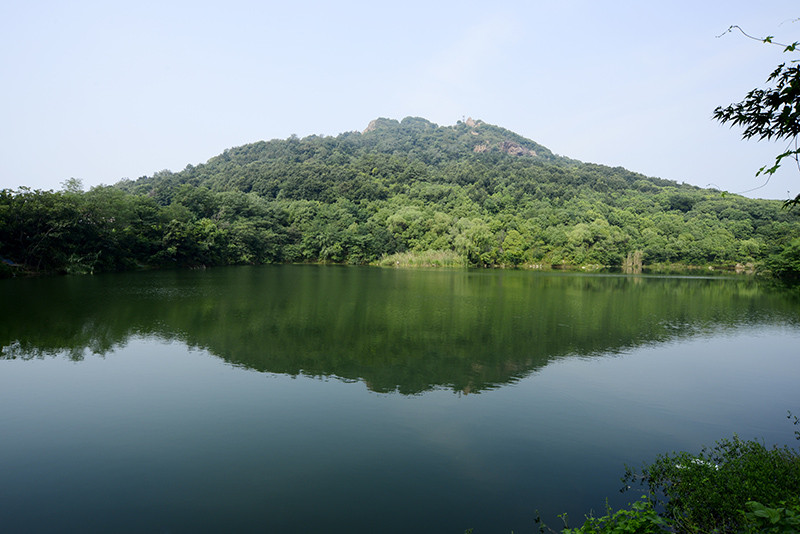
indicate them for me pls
(735, 486)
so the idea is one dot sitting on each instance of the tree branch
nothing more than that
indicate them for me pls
(768, 39)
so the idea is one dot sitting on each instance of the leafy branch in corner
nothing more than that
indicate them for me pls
(772, 113)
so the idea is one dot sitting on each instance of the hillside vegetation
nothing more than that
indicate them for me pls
(479, 194)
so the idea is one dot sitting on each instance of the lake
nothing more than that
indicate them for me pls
(303, 398)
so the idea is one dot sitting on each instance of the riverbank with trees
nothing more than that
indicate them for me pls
(475, 193)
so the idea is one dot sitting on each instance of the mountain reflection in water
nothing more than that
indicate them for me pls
(396, 330)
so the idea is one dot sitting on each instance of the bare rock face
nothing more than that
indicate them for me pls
(373, 124)
(509, 147)
(471, 123)
(515, 149)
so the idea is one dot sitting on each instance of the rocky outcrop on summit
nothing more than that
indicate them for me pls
(421, 138)
(373, 124)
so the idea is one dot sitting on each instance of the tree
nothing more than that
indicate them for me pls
(772, 113)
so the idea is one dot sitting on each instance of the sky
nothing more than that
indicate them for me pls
(101, 91)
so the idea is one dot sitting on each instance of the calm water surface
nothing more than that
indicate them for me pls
(330, 399)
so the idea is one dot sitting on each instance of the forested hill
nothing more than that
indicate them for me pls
(469, 194)
(355, 165)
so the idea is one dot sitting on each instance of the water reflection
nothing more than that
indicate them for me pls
(406, 331)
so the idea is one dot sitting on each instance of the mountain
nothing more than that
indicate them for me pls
(291, 168)
(398, 191)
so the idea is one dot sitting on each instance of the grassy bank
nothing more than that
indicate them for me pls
(428, 258)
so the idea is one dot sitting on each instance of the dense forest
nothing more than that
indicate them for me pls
(473, 193)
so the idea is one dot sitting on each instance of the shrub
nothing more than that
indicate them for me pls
(784, 519)
(710, 491)
(640, 519)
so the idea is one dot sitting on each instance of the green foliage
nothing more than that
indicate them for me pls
(428, 258)
(641, 518)
(709, 491)
(772, 113)
(786, 262)
(473, 190)
(783, 519)
(736, 486)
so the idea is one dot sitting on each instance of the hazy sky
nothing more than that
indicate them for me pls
(102, 91)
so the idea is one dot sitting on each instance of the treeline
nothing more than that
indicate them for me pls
(473, 189)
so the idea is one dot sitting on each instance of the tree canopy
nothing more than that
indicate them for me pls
(471, 191)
